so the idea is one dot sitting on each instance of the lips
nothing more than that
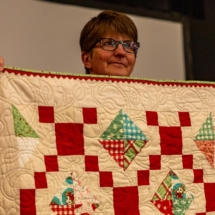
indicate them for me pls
(118, 63)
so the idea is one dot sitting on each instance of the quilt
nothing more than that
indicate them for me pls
(98, 145)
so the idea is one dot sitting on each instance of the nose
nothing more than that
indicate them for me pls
(119, 50)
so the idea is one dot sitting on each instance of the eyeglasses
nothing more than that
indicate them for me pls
(110, 44)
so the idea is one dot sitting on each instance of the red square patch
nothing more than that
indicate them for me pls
(51, 163)
(40, 180)
(155, 162)
(126, 200)
(69, 138)
(152, 118)
(184, 118)
(210, 196)
(187, 161)
(143, 177)
(91, 163)
(90, 115)
(106, 179)
(198, 176)
(46, 114)
(27, 202)
(171, 140)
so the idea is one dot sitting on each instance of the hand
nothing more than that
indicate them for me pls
(1, 63)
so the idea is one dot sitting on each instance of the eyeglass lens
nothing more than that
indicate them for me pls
(109, 44)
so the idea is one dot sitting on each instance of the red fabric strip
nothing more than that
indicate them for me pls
(113, 79)
(27, 202)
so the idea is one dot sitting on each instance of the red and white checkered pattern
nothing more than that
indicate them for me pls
(115, 149)
(63, 209)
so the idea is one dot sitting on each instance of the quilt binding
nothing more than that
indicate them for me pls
(41, 73)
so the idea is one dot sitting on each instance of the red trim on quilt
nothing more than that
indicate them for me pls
(110, 78)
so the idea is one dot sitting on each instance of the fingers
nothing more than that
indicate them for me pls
(1, 63)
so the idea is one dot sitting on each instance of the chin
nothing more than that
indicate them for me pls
(119, 73)
(113, 72)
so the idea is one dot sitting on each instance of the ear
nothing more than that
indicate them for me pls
(1, 63)
(86, 59)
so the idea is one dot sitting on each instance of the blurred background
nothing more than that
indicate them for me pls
(177, 36)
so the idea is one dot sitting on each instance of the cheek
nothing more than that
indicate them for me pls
(106, 59)
(101, 56)
(132, 61)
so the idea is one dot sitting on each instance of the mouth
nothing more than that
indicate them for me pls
(118, 64)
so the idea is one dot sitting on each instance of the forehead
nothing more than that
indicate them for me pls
(112, 32)
(116, 36)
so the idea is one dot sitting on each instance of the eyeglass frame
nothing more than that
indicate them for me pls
(119, 42)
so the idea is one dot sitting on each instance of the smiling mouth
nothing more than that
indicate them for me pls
(118, 64)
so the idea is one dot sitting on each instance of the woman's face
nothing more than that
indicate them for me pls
(117, 62)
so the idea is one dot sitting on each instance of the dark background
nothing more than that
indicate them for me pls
(197, 17)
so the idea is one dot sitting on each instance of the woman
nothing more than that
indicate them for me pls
(108, 45)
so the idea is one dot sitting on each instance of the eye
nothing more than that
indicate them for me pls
(127, 45)
(109, 43)
(134, 46)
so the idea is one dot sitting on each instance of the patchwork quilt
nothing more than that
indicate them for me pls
(98, 145)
